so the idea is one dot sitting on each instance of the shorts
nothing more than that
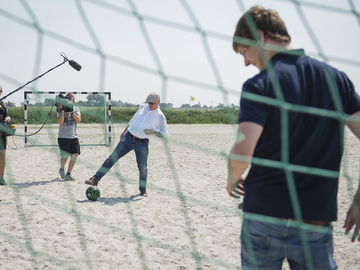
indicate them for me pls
(2, 142)
(69, 146)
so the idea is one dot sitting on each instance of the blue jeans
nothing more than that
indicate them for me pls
(126, 144)
(265, 245)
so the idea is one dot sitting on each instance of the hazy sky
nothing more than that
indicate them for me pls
(176, 47)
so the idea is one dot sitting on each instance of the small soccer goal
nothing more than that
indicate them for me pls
(41, 125)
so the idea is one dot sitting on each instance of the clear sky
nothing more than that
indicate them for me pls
(175, 47)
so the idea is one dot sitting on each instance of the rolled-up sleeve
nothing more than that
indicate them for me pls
(163, 128)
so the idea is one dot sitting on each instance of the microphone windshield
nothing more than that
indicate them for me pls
(74, 65)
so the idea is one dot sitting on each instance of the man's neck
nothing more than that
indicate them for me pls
(280, 46)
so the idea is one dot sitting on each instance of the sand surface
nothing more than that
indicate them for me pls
(187, 221)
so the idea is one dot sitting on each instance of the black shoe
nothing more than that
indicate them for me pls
(143, 193)
(2, 182)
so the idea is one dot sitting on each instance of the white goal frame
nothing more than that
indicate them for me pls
(107, 141)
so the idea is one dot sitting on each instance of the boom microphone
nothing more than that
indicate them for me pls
(74, 65)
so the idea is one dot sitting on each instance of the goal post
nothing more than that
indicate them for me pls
(40, 118)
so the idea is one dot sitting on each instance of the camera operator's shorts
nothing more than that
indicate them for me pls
(69, 146)
(2, 142)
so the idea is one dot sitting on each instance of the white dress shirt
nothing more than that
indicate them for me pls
(146, 119)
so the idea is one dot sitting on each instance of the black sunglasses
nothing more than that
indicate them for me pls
(0, 91)
(151, 103)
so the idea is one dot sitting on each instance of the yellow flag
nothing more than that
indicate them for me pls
(192, 98)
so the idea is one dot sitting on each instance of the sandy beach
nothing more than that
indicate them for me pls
(187, 221)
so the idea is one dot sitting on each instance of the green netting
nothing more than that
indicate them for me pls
(129, 226)
(41, 123)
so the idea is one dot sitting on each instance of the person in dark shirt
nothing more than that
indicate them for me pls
(4, 118)
(281, 198)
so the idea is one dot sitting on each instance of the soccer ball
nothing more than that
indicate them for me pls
(92, 193)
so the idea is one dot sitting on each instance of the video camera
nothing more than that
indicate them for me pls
(7, 129)
(66, 101)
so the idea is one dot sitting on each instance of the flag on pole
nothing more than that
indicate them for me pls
(192, 98)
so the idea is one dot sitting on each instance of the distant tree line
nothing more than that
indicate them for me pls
(170, 105)
(93, 100)
(219, 106)
(41, 114)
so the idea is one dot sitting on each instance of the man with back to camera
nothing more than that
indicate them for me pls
(67, 139)
(149, 120)
(313, 141)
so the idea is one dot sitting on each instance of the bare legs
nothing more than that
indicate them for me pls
(63, 161)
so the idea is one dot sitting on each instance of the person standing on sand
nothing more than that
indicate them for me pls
(67, 139)
(4, 118)
(271, 229)
(148, 121)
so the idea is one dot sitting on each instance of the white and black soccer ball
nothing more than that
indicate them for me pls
(92, 193)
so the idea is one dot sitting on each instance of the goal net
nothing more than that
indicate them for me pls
(183, 50)
(41, 125)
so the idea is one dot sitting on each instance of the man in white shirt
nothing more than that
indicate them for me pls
(148, 121)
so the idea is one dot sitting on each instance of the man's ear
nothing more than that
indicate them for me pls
(262, 36)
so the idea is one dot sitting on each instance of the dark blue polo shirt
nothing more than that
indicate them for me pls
(314, 141)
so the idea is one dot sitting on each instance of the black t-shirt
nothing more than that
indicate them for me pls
(311, 140)
(3, 111)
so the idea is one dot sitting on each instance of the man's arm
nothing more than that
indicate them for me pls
(163, 129)
(151, 132)
(77, 117)
(353, 214)
(248, 134)
(61, 118)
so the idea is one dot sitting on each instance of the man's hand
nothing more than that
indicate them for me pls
(353, 218)
(236, 190)
(124, 132)
(149, 132)
(7, 119)
(240, 157)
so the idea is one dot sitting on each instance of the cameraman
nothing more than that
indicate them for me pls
(4, 118)
(68, 117)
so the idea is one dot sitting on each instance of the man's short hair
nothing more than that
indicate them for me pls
(266, 20)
